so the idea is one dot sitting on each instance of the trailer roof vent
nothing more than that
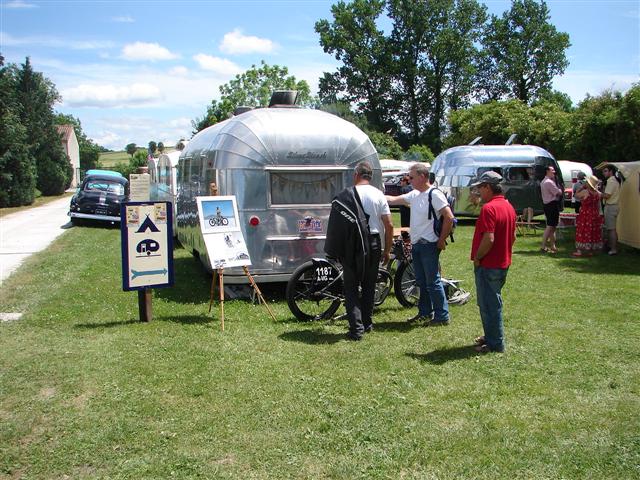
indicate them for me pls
(283, 98)
(241, 110)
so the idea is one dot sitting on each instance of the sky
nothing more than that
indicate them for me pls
(136, 71)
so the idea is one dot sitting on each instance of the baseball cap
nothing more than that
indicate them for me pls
(488, 177)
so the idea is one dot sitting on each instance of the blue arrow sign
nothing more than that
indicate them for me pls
(137, 274)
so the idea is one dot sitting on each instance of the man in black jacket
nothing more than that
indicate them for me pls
(360, 218)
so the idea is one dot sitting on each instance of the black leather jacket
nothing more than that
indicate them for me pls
(348, 231)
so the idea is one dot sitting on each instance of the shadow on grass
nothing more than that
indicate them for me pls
(185, 320)
(313, 337)
(439, 357)
(122, 323)
(402, 326)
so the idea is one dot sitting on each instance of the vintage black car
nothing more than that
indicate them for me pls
(99, 197)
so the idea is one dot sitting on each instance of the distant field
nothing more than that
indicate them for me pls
(111, 159)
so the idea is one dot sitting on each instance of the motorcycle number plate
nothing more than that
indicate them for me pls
(325, 273)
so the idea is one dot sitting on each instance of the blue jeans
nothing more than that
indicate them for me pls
(489, 283)
(426, 265)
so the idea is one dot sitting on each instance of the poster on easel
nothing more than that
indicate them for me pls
(220, 225)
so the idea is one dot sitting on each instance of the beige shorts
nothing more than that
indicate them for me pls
(610, 215)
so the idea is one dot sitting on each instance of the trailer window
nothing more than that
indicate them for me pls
(318, 188)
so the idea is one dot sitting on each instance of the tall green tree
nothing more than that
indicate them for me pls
(607, 127)
(546, 125)
(36, 96)
(522, 53)
(434, 47)
(364, 78)
(17, 166)
(252, 88)
(89, 150)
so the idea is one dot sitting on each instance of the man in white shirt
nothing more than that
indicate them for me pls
(611, 196)
(426, 244)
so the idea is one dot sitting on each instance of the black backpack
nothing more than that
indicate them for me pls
(438, 222)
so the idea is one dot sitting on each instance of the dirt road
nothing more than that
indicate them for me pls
(30, 231)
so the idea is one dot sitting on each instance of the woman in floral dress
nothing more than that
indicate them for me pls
(589, 220)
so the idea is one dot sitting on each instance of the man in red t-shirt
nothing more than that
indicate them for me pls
(491, 250)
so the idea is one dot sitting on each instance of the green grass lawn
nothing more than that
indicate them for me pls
(87, 391)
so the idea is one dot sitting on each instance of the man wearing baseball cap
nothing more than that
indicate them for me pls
(491, 250)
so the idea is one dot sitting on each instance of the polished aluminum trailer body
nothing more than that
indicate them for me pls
(284, 165)
(521, 166)
(164, 180)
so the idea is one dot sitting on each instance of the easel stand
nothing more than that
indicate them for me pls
(221, 287)
(252, 282)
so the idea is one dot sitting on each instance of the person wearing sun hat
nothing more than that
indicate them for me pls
(491, 250)
(589, 221)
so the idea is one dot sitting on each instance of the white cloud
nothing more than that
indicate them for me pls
(6, 39)
(19, 4)
(179, 71)
(236, 43)
(123, 19)
(218, 65)
(146, 51)
(134, 95)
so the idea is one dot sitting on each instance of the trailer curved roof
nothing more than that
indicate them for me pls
(466, 155)
(282, 137)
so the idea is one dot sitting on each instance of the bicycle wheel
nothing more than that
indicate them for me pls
(384, 282)
(314, 291)
(406, 289)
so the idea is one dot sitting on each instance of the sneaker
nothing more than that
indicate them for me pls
(487, 349)
(420, 319)
(437, 323)
(352, 337)
(613, 252)
(368, 329)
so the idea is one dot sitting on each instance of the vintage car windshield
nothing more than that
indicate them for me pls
(104, 186)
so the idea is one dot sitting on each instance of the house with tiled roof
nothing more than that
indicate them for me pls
(72, 149)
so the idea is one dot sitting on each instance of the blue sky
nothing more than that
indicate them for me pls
(139, 70)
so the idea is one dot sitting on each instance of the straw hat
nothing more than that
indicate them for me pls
(592, 181)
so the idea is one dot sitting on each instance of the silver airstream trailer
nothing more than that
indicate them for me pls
(284, 165)
(164, 179)
(522, 166)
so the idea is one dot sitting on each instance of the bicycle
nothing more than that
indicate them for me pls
(314, 290)
(406, 289)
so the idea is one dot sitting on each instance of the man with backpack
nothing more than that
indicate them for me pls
(430, 224)
(611, 196)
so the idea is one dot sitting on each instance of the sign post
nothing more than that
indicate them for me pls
(146, 232)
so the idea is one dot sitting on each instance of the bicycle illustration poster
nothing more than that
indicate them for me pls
(220, 225)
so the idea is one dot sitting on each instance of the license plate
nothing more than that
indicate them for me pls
(310, 225)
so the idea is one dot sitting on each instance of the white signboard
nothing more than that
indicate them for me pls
(139, 187)
(220, 227)
(146, 230)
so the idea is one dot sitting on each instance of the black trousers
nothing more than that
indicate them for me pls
(359, 294)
